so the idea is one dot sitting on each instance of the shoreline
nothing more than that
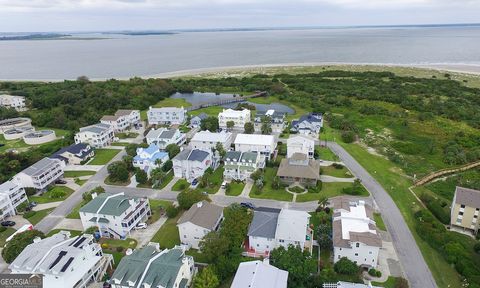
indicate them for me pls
(465, 69)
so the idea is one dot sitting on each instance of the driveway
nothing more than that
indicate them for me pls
(144, 236)
(70, 224)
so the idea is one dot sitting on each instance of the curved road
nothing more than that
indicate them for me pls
(414, 265)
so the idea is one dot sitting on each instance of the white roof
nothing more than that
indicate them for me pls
(166, 109)
(300, 138)
(255, 139)
(234, 113)
(292, 225)
(257, 274)
(355, 220)
(208, 136)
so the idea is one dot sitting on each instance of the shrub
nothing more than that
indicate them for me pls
(57, 193)
(119, 249)
(172, 211)
(2, 229)
(14, 247)
(476, 247)
(167, 166)
(375, 273)
(30, 191)
(91, 230)
(105, 246)
(337, 166)
(348, 136)
(29, 214)
(346, 266)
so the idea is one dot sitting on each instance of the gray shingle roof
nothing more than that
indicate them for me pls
(198, 155)
(467, 197)
(168, 134)
(205, 216)
(233, 155)
(39, 167)
(264, 222)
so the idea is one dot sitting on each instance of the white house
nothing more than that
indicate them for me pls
(166, 115)
(162, 137)
(259, 274)
(308, 124)
(263, 144)
(201, 219)
(206, 140)
(275, 118)
(271, 228)
(239, 118)
(122, 120)
(97, 135)
(355, 234)
(64, 261)
(74, 154)
(150, 267)
(240, 165)
(300, 144)
(13, 101)
(191, 163)
(11, 195)
(115, 215)
(196, 121)
(149, 158)
(41, 174)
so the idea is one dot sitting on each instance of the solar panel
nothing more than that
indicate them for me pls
(69, 261)
(79, 242)
(59, 257)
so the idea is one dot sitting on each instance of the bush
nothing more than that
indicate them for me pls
(30, 191)
(119, 249)
(348, 136)
(189, 197)
(14, 247)
(2, 229)
(476, 247)
(57, 193)
(91, 230)
(337, 166)
(375, 273)
(346, 266)
(29, 214)
(167, 166)
(172, 211)
(105, 246)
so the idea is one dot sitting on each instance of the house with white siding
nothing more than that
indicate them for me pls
(301, 144)
(192, 163)
(13, 101)
(150, 158)
(239, 118)
(122, 120)
(41, 174)
(196, 121)
(97, 135)
(162, 137)
(166, 115)
(240, 165)
(259, 274)
(263, 144)
(74, 154)
(11, 195)
(308, 124)
(276, 120)
(206, 140)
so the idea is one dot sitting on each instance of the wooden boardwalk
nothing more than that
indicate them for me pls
(444, 172)
(235, 99)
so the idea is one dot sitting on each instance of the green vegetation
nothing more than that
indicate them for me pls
(158, 208)
(73, 233)
(86, 197)
(379, 221)
(103, 156)
(167, 236)
(268, 192)
(126, 135)
(54, 194)
(446, 188)
(37, 216)
(339, 171)
(15, 246)
(329, 190)
(75, 174)
(211, 180)
(5, 234)
(210, 111)
(234, 188)
(325, 153)
(392, 282)
(166, 180)
(180, 185)
(172, 102)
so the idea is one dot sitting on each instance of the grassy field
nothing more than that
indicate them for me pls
(126, 135)
(157, 207)
(329, 190)
(123, 144)
(75, 174)
(236, 188)
(379, 221)
(326, 154)
(180, 185)
(332, 171)
(268, 192)
(210, 111)
(5, 234)
(298, 111)
(215, 180)
(108, 181)
(48, 196)
(39, 215)
(167, 236)
(73, 233)
(103, 156)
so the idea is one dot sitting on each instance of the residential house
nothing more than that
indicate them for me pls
(13, 101)
(74, 154)
(115, 215)
(355, 234)
(465, 209)
(162, 137)
(240, 165)
(201, 219)
(206, 140)
(41, 174)
(196, 121)
(275, 118)
(191, 163)
(263, 144)
(342, 284)
(301, 144)
(166, 115)
(259, 274)
(151, 267)
(271, 228)
(11, 195)
(64, 261)
(122, 120)
(149, 158)
(97, 135)
(308, 124)
(299, 169)
(239, 118)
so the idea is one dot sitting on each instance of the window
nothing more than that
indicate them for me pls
(281, 241)
(462, 206)
(356, 254)
(357, 245)
(460, 213)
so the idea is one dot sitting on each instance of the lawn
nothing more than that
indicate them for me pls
(39, 215)
(268, 192)
(215, 181)
(379, 221)
(80, 182)
(75, 214)
(75, 174)
(180, 185)
(166, 180)
(210, 111)
(49, 196)
(110, 246)
(298, 111)
(329, 190)
(326, 154)
(73, 233)
(236, 188)
(173, 102)
(167, 236)
(126, 135)
(5, 234)
(103, 156)
(123, 144)
(157, 207)
(332, 171)
(108, 181)
(390, 283)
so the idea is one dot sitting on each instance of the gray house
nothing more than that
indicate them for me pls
(196, 121)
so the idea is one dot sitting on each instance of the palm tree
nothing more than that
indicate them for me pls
(323, 202)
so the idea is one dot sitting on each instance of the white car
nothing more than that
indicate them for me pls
(141, 226)
(224, 184)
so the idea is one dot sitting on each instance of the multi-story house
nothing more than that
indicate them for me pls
(263, 144)
(301, 144)
(276, 119)
(355, 234)
(162, 137)
(196, 121)
(122, 120)
(465, 209)
(240, 165)
(206, 140)
(201, 219)
(115, 215)
(271, 228)
(166, 115)
(259, 274)
(74, 154)
(97, 135)
(149, 158)
(13, 101)
(63, 261)
(41, 174)
(239, 118)
(11, 195)
(299, 169)
(151, 267)
(191, 163)
(308, 124)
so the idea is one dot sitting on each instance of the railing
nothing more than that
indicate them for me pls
(446, 171)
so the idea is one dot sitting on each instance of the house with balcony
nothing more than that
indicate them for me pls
(98, 135)
(239, 118)
(11, 195)
(166, 115)
(64, 261)
(150, 158)
(259, 274)
(13, 101)
(240, 165)
(115, 215)
(300, 143)
(196, 121)
(41, 174)
(162, 137)
(75, 154)
(151, 267)
(122, 120)
(308, 124)
(276, 120)
(355, 234)
(265, 145)
(206, 140)
(271, 228)
(465, 209)
(299, 169)
(192, 163)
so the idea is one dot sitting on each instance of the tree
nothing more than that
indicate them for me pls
(172, 211)
(323, 202)
(167, 166)
(141, 176)
(219, 148)
(206, 279)
(348, 136)
(131, 149)
(189, 197)
(15, 246)
(118, 171)
(266, 126)
(157, 175)
(256, 175)
(346, 266)
(276, 184)
(230, 125)
(172, 150)
(128, 160)
(299, 264)
(210, 123)
(213, 245)
(249, 128)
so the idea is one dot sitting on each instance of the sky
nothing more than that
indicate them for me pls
(105, 15)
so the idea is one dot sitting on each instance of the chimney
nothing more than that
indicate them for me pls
(199, 204)
(94, 195)
(37, 239)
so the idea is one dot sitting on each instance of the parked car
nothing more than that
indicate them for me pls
(194, 182)
(8, 223)
(32, 204)
(60, 181)
(224, 185)
(247, 205)
(106, 284)
(141, 226)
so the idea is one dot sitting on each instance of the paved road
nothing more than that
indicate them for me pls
(416, 269)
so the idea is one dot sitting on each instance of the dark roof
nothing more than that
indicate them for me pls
(467, 197)
(168, 134)
(312, 117)
(233, 155)
(264, 222)
(80, 148)
(203, 214)
(198, 155)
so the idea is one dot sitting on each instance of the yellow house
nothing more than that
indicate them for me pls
(465, 209)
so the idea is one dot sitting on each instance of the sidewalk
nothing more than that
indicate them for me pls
(327, 178)
(46, 206)
(246, 190)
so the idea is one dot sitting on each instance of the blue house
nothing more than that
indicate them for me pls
(150, 158)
